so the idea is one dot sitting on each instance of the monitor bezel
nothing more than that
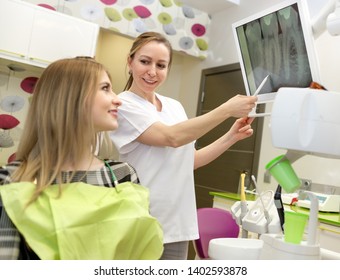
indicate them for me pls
(307, 35)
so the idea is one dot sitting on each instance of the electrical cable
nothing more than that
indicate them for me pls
(265, 211)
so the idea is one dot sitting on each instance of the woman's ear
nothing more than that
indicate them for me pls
(129, 60)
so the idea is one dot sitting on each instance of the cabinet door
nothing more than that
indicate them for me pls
(55, 36)
(15, 27)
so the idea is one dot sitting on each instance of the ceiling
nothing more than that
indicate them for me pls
(211, 6)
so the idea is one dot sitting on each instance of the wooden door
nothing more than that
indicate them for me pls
(222, 175)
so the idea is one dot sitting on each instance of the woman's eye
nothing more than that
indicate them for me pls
(144, 61)
(162, 66)
(106, 88)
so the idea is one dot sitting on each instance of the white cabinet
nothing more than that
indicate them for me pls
(36, 35)
(16, 20)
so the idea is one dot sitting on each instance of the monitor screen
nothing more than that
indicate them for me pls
(277, 42)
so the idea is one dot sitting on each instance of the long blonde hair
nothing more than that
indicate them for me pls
(141, 41)
(59, 126)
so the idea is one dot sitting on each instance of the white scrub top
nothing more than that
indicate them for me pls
(167, 172)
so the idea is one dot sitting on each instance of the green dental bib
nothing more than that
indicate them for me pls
(86, 222)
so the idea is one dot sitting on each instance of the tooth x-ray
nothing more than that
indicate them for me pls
(274, 44)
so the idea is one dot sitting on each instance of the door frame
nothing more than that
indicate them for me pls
(258, 130)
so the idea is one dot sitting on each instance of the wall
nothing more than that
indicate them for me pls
(112, 51)
(12, 90)
(184, 26)
(223, 51)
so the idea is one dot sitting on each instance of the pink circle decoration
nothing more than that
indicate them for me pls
(28, 84)
(11, 158)
(198, 29)
(47, 7)
(8, 121)
(108, 2)
(142, 11)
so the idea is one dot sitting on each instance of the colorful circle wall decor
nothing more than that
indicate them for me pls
(172, 18)
(28, 84)
(8, 121)
(11, 158)
(12, 103)
(6, 140)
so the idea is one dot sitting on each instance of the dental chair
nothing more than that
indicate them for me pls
(213, 223)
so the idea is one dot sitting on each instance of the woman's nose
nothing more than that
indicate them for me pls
(152, 70)
(116, 100)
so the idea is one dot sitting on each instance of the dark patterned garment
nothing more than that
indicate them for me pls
(12, 245)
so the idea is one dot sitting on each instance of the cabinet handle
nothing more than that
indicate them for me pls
(328, 229)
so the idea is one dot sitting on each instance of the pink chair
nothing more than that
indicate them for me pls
(213, 223)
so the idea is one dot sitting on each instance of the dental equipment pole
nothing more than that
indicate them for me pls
(313, 219)
(244, 208)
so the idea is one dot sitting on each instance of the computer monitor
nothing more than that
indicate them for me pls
(277, 42)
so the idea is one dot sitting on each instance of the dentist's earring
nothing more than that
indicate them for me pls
(130, 72)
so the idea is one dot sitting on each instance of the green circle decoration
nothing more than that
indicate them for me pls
(166, 3)
(112, 14)
(202, 44)
(164, 18)
(129, 14)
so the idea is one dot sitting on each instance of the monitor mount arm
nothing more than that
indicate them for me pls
(327, 19)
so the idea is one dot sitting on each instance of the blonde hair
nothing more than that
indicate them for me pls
(141, 41)
(59, 126)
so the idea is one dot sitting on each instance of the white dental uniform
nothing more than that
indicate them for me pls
(167, 172)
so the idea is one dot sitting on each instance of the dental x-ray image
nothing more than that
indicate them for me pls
(274, 45)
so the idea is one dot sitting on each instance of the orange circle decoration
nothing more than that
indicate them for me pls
(28, 84)
(8, 121)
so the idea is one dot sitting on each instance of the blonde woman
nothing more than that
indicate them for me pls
(72, 104)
